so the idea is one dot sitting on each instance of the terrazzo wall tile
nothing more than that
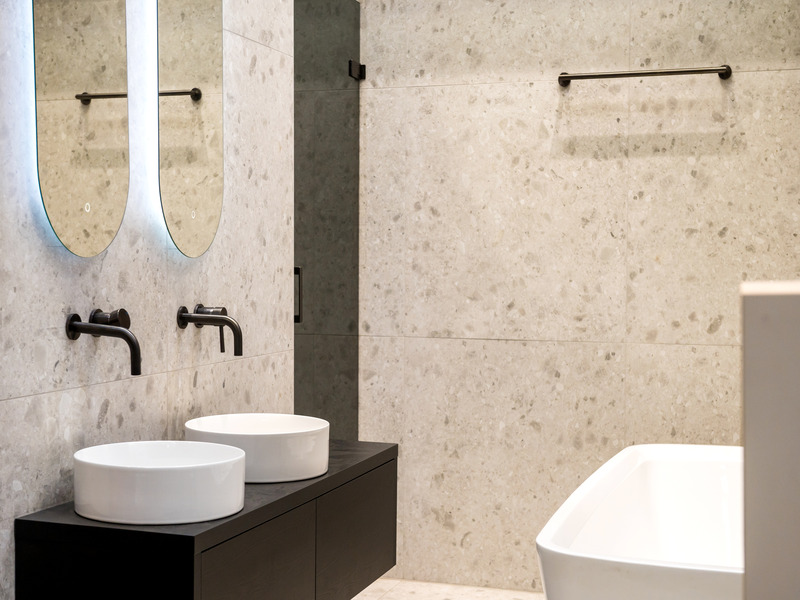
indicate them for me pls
(257, 288)
(62, 394)
(716, 202)
(7, 558)
(498, 419)
(745, 35)
(41, 474)
(509, 224)
(268, 23)
(466, 41)
(383, 218)
(258, 384)
(489, 226)
(677, 394)
(381, 412)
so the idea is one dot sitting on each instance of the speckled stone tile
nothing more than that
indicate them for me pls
(485, 226)
(683, 394)
(249, 266)
(257, 384)
(39, 357)
(494, 437)
(37, 452)
(745, 35)
(380, 390)
(423, 43)
(7, 559)
(268, 23)
(392, 589)
(382, 415)
(713, 201)
(383, 214)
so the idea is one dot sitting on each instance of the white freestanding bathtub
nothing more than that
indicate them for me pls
(656, 522)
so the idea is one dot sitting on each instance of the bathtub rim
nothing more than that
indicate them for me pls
(601, 482)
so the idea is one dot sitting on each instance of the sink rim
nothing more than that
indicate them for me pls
(232, 423)
(228, 454)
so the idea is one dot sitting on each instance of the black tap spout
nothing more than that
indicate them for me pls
(217, 319)
(75, 327)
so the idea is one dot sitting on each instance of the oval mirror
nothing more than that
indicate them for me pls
(190, 120)
(82, 119)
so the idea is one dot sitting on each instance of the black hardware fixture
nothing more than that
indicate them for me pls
(118, 317)
(357, 70)
(216, 316)
(86, 97)
(724, 72)
(114, 324)
(298, 317)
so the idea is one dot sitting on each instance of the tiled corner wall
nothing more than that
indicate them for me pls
(548, 274)
(58, 395)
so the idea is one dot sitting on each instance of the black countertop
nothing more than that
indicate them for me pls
(262, 502)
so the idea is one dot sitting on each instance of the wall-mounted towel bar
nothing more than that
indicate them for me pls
(724, 72)
(86, 97)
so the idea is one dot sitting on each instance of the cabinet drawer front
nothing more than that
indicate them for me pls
(273, 561)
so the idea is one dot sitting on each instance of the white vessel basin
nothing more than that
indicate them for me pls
(279, 447)
(159, 482)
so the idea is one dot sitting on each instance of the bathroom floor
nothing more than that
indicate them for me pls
(397, 589)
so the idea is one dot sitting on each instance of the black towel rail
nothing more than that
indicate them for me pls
(724, 72)
(86, 97)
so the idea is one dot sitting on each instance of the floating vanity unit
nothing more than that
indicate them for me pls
(325, 538)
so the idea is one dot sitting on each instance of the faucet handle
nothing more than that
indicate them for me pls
(214, 310)
(199, 309)
(119, 317)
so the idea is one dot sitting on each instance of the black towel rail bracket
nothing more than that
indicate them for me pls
(724, 72)
(86, 97)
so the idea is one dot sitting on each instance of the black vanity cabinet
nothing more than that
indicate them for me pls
(325, 538)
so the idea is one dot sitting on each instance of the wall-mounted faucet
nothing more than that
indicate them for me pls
(113, 324)
(217, 316)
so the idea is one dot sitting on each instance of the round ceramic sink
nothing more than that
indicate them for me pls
(159, 482)
(278, 447)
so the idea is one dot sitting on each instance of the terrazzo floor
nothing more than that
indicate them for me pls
(397, 589)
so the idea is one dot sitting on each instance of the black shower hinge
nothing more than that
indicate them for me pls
(358, 71)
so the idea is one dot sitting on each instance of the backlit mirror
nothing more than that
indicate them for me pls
(82, 143)
(190, 126)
